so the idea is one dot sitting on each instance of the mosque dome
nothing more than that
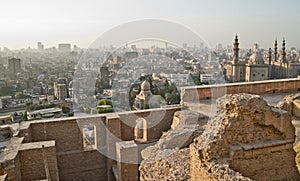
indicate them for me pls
(256, 57)
(145, 85)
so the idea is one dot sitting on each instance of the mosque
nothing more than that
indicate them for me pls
(256, 69)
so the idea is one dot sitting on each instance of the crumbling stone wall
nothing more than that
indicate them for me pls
(291, 104)
(174, 166)
(242, 141)
(169, 158)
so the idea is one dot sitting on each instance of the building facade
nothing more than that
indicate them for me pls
(257, 69)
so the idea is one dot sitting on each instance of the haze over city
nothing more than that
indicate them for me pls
(82, 22)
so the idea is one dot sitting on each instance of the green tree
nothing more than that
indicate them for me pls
(104, 102)
(20, 95)
(105, 110)
(25, 118)
(65, 109)
(7, 91)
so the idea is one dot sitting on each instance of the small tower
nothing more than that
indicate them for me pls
(270, 56)
(236, 50)
(275, 50)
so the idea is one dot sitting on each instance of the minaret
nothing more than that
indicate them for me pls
(236, 50)
(283, 51)
(275, 51)
(270, 56)
(270, 63)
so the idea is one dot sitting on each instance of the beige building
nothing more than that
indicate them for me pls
(142, 99)
(281, 67)
(14, 66)
(60, 89)
(255, 69)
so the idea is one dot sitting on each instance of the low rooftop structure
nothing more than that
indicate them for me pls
(43, 113)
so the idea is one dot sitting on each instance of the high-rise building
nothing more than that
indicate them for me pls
(40, 46)
(14, 66)
(61, 89)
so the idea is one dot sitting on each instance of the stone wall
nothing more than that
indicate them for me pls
(65, 132)
(213, 171)
(169, 158)
(195, 93)
(158, 120)
(174, 166)
(291, 104)
(38, 161)
(242, 142)
(76, 164)
(267, 158)
(82, 165)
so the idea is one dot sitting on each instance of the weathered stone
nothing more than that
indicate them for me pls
(245, 120)
(178, 138)
(184, 118)
(173, 166)
(166, 160)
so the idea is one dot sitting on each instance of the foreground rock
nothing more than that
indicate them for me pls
(169, 158)
(174, 166)
(246, 140)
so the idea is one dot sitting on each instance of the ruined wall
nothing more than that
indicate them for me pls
(82, 165)
(174, 166)
(195, 93)
(169, 158)
(267, 159)
(203, 170)
(158, 120)
(260, 132)
(291, 104)
(73, 162)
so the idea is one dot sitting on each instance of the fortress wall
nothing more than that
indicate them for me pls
(65, 132)
(194, 93)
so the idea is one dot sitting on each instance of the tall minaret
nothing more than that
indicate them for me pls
(270, 63)
(283, 51)
(236, 50)
(275, 51)
(270, 56)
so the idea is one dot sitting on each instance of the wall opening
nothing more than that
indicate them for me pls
(140, 130)
(89, 137)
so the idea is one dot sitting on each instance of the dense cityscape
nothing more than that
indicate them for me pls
(37, 83)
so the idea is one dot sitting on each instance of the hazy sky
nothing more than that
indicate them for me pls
(80, 22)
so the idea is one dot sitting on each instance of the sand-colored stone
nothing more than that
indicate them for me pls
(245, 121)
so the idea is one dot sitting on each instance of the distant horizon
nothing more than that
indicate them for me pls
(24, 23)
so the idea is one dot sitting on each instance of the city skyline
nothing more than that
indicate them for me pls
(81, 23)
